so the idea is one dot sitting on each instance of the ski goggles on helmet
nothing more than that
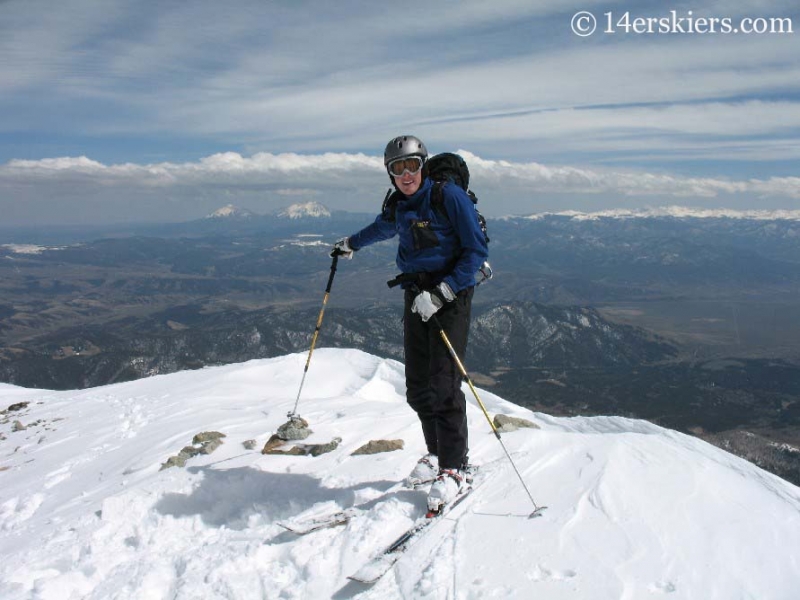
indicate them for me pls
(412, 164)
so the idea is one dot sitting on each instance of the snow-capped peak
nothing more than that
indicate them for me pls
(678, 212)
(230, 211)
(305, 209)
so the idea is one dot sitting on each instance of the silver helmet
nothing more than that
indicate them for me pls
(402, 146)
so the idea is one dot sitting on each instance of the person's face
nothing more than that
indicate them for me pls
(409, 179)
(407, 183)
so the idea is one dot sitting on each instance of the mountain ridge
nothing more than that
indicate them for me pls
(633, 509)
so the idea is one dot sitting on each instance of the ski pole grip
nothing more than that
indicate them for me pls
(334, 262)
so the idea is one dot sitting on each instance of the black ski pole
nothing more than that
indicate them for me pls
(537, 512)
(293, 413)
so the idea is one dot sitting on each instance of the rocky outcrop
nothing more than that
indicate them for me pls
(506, 423)
(202, 443)
(379, 446)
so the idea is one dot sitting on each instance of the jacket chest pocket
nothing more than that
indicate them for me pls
(424, 236)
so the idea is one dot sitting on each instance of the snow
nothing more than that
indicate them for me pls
(305, 209)
(634, 510)
(229, 211)
(28, 248)
(307, 240)
(677, 212)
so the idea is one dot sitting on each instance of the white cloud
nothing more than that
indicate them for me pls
(259, 168)
(355, 182)
(568, 180)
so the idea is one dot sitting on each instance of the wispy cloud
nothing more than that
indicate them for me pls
(310, 76)
(508, 80)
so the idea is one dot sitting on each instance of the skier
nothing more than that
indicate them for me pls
(440, 251)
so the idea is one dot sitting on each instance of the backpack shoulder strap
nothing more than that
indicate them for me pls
(437, 204)
(437, 197)
(389, 208)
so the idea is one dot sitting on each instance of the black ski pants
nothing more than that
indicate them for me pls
(433, 380)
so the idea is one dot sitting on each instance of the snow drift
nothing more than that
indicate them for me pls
(635, 511)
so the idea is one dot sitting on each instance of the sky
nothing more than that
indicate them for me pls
(115, 111)
(633, 510)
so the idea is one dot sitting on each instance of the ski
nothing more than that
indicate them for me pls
(382, 562)
(303, 526)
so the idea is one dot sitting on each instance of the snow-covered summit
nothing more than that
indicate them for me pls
(676, 212)
(229, 211)
(305, 210)
(635, 511)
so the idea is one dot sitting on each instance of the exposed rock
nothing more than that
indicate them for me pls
(202, 443)
(249, 444)
(18, 426)
(319, 449)
(273, 443)
(274, 447)
(209, 447)
(295, 428)
(293, 451)
(208, 440)
(17, 406)
(505, 423)
(174, 461)
(180, 459)
(379, 446)
(207, 436)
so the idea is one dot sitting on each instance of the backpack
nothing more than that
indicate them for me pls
(442, 168)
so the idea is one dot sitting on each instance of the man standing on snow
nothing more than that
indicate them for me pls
(441, 248)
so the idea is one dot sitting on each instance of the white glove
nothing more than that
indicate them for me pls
(427, 304)
(342, 248)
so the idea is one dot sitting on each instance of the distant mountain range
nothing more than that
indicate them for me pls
(688, 321)
(303, 210)
(678, 212)
(508, 336)
(231, 212)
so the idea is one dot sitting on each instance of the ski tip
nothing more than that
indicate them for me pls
(537, 512)
(373, 570)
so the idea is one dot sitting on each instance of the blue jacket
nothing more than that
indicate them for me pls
(452, 247)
